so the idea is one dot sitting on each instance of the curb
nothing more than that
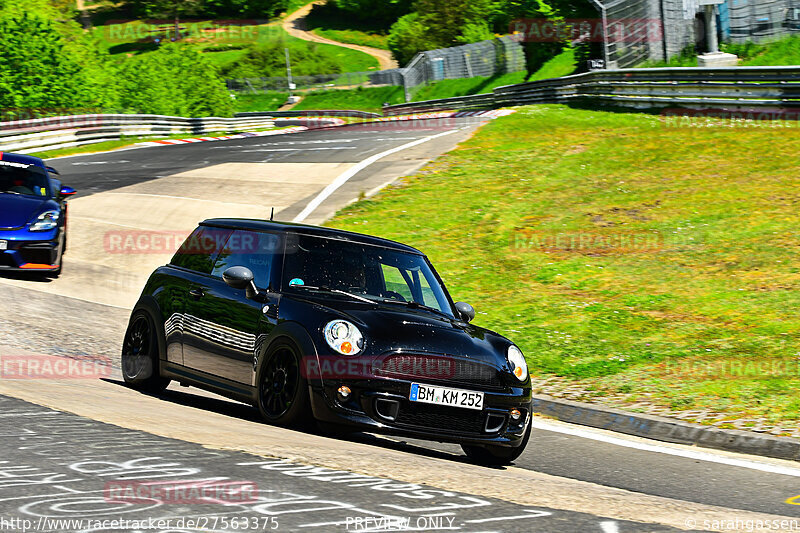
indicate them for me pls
(666, 429)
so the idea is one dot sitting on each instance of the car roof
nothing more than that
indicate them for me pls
(23, 159)
(304, 229)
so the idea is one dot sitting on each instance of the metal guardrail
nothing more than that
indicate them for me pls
(53, 133)
(318, 113)
(726, 88)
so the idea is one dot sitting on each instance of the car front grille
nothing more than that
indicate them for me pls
(7, 261)
(443, 418)
(439, 368)
(38, 255)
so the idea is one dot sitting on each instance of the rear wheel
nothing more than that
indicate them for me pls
(494, 455)
(282, 390)
(140, 354)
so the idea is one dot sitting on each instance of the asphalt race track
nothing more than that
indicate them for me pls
(64, 440)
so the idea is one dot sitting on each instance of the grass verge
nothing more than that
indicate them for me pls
(362, 99)
(328, 21)
(628, 259)
(269, 101)
(227, 43)
(784, 52)
(561, 65)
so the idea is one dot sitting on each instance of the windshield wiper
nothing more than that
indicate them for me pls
(335, 291)
(415, 305)
(12, 192)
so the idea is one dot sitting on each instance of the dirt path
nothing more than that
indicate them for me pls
(295, 25)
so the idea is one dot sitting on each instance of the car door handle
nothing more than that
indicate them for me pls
(197, 293)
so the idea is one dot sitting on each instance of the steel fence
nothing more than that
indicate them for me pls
(719, 88)
(486, 58)
(345, 80)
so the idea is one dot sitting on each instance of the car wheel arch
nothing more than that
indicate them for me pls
(149, 305)
(292, 332)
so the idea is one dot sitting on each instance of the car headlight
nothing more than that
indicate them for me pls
(516, 358)
(46, 221)
(343, 337)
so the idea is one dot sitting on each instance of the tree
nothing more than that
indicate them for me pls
(537, 53)
(41, 69)
(383, 11)
(440, 24)
(176, 79)
(175, 9)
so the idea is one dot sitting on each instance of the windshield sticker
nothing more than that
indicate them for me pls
(16, 165)
(295, 282)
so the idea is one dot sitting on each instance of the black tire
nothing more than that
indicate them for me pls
(493, 455)
(282, 390)
(141, 354)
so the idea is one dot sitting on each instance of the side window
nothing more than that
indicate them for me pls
(200, 249)
(395, 283)
(250, 249)
(410, 285)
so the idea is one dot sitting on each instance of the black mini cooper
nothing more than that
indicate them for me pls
(311, 323)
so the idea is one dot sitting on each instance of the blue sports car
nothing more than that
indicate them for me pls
(33, 215)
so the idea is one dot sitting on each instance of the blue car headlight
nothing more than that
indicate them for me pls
(46, 221)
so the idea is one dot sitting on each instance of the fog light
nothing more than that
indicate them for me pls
(515, 415)
(344, 392)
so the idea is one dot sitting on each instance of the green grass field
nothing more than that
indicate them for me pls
(328, 21)
(269, 101)
(223, 44)
(355, 37)
(640, 261)
(362, 99)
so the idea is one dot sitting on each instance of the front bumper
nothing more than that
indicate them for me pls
(382, 406)
(30, 255)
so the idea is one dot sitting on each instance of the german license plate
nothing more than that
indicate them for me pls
(3, 245)
(445, 396)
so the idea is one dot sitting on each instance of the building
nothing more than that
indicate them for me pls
(683, 25)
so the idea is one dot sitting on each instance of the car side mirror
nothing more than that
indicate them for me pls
(66, 191)
(466, 311)
(53, 171)
(239, 277)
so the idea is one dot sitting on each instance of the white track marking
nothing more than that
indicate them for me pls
(530, 514)
(609, 527)
(179, 198)
(342, 179)
(298, 149)
(687, 453)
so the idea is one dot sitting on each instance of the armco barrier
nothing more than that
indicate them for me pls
(724, 88)
(320, 113)
(77, 130)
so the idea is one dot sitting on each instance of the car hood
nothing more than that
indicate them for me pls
(394, 328)
(16, 210)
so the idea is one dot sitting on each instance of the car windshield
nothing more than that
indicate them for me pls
(360, 271)
(23, 179)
